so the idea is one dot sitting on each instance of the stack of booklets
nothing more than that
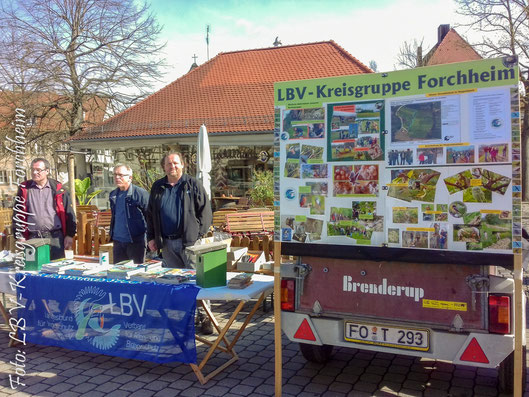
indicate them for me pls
(177, 276)
(124, 269)
(59, 267)
(85, 269)
(151, 265)
(240, 281)
(150, 275)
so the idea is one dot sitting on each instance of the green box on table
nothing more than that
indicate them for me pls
(211, 268)
(36, 253)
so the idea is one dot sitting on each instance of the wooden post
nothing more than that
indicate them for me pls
(81, 222)
(71, 181)
(518, 326)
(277, 320)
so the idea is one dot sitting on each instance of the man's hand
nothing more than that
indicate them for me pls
(68, 242)
(152, 245)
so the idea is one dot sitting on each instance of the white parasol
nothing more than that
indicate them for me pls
(204, 160)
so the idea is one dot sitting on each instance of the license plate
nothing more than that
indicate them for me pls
(382, 335)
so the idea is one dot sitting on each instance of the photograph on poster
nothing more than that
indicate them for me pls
(301, 229)
(457, 209)
(416, 122)
(353, 180)
(493, 153)
(466, 233)
(317, 205)
(415, 184)
(317, 130)
(292, 117)
(341, 214)
(460, 155)
(439, 237)
(311, 154)
(400, 157)
(428, 212)
(477, 194)
(305, 200)
(321, 188)
(355, 131)
(292, 170)
(364, 209)
(393, 236)
(430, 156)
(293, 152)
(414, 239)
(472, 218)
(406, 215)
(316, 171)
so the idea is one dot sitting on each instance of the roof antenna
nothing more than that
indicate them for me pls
(207, 39)
(277, 43)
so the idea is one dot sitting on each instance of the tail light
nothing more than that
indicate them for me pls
(288, 296)
(499, 314)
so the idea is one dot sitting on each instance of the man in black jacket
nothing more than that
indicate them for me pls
(179, 212)
(128, 225)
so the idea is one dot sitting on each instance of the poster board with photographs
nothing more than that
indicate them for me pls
(427, 158)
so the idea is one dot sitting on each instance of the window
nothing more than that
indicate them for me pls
(5, 176)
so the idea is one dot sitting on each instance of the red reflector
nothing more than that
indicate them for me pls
(287, 295)
(474, 353)
(499, 314)
(305, 332)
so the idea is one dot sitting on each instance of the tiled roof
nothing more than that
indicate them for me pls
(233, 92)
(453, 48)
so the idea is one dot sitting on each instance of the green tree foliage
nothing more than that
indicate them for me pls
(262, 192)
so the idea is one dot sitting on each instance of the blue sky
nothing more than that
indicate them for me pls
(368, 30)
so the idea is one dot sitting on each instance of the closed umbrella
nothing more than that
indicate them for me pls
(204, 159)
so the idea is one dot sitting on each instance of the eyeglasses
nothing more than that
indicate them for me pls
(121, 175)
(38, 170)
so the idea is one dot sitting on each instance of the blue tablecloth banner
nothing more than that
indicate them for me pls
(143, 321)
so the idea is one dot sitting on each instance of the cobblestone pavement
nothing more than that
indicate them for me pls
(54, 371)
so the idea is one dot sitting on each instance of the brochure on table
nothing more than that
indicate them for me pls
(427, 158)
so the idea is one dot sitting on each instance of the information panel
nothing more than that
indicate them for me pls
(427, 158)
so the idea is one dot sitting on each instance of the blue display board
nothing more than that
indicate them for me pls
(143, 321)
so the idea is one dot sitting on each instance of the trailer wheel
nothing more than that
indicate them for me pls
(316, 353)
(506, 373)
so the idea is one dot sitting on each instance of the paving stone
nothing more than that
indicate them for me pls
(370, 378)
(100, 379)
(441, 375)
(323, 379)
(142, 393)
(485, 390)
(299, 380)
(376, 369)
(314, 388)
(217, 391)
(405, 392)
(77, 379)
(180, 384)
(108, 387)
(35, 389)
(84, 388)
(292, 389)
(430, 392)
(418, 376)
(456, 391)
(154, 385)
(123, 378)
(168, 393)
(347, 378)
(365, 386)
(243, 390)
(340, 387)
(132, 386)
(59, 388)
(252, 381)
(413, 385)
(462, 382)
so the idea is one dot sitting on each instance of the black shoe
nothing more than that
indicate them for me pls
(206, 327)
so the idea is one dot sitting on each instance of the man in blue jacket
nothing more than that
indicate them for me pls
(128, 226)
